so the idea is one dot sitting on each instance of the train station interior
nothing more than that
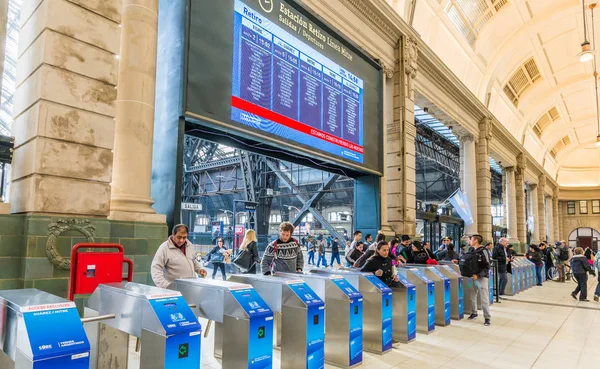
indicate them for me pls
(170, 171)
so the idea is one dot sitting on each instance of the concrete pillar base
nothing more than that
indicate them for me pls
(4, 208)
(387, 231)
(137, 217)
(514, 241)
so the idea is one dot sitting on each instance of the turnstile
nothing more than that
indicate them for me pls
(168, 329)
(442, 292)
(378, 305)
(457, 292)
(425, 306)
(40, 331)
(299, 319)
(405, 310)
(512, 283)
(343, 317)
(242, 319)
(467, 287)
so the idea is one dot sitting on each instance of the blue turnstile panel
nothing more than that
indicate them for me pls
(315, 332)
(56, 336)
(356, 319)
(260, 336)
(182, 329)
(386, 311)
(491, 280)
(412, 306)
(461, 291)
(446, 293)
(430, 298)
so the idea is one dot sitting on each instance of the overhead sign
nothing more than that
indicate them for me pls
(278, 75)
(191, 206)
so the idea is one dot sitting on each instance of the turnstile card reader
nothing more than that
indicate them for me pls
(457, 292)
(405, 310)
(41, 331)
(425, 308)
(377, 304)
(169, 331)
(242, 319)
(343, 317)
(299, 319)
(442, 292)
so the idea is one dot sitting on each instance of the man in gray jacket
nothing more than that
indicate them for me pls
(175, 259)
(283, 254)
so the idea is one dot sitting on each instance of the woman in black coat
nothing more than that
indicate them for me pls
(536, 256)
(381, 265)
(249, 245)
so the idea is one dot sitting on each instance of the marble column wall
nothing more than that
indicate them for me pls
(400, 145)
(534, 211)
(64, 107)
(484, 186)
(556, 219)
(520, 201)
(511, 201)
(550, 217)
(542, 208)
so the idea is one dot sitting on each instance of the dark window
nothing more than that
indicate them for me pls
(583, 207)
(571, 207)
(595, 206)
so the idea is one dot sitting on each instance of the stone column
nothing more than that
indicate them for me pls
(520, 201)
(561, 229)
(484, 185)
(556, 219)
(134, 131)
(388, 118)
(468, 180)
(400, 145)
(550, 216)
(64, 107)
(534, 211)
(511, 201)
(542, 207)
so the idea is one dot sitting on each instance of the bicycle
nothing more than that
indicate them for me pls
(553, 273)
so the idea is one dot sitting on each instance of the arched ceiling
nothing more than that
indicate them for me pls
(520, 58)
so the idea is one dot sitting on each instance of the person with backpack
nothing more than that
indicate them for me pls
(597, 267)
(476, 264)
(417, 254)
(284, 254)
(355, 254)
(580, 268)
(561, 257)
(321, 251)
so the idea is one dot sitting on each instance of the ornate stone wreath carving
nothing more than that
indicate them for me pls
(59, 227)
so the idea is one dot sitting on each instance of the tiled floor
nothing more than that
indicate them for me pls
(539, 328)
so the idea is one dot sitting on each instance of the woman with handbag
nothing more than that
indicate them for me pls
(217, 257)
(247, 258)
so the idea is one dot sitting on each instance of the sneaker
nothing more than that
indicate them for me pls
(472, 316)
(487, 322)
(574, 295)
(596, 298)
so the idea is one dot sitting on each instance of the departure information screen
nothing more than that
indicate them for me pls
(284, 87)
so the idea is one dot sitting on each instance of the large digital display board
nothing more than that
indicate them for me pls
(270, 71)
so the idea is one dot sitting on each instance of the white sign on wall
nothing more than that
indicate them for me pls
(191, 206)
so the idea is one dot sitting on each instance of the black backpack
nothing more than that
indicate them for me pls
(563, 254)
(421, 257)
(469, 264)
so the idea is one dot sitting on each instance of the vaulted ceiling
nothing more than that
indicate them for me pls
(520, 58)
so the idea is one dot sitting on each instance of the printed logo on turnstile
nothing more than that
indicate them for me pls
(260, 336)
(67, 347)
(411, 309)
(356, 318)
(386, 311)
(315, 330)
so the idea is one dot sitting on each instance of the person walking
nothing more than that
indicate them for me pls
(249, 245)
(481, 282)
(597, 267)
(217, 256)
(322, 254)
(175, 259)
(499, 254)
(356, 253)
(335, 251)
(283, 254)
(580, 268)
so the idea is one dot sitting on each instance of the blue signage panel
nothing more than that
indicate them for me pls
(491, 278)
(386, 321)
(56, 330)
(260, 340)
(381, 286)
(315, 330)
(430, 298)
(174, 313)
(446, 293)
(461, 297)
(411, 294)
(183, 351)
(356, 331)
(346, 288)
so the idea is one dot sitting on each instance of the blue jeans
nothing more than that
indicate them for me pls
(502, 281)
(597, 293)
(217, 266)
(538, 273)
(322, 258)
(311, 257)
(335, 256)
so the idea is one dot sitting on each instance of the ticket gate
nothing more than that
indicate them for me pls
(442, 292)
(168, 329)
(242, 319)
(343, 317)
(457, 292)
(511, 284)
(39, 330)
(299, 327)
(425, 305)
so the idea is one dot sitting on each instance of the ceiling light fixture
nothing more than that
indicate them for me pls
(587, 53)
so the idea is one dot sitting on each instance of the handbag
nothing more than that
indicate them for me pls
(243, 260)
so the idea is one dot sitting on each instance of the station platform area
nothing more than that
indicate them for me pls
(540, 328)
